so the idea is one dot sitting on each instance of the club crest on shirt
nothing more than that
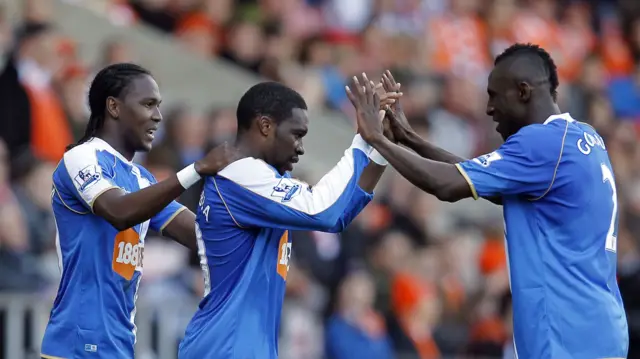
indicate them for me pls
(87, 177)
(286, 190)
(485, 160)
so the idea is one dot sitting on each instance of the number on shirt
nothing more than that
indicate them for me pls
(607, 176)
(204, 263)
(284, 255)
(128, 254)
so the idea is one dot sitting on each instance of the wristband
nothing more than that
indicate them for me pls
(188, 176)
(376, 157)
(359, 143)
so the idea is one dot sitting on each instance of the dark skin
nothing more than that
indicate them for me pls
(130, 122)
(281, 144)
(518, 96)
(405, 135)
(373, 172)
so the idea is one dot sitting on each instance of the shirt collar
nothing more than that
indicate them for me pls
(563, 116)
(103, 145)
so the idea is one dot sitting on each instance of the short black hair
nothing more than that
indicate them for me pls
(111, 81)
(271, 99)
(529, 49)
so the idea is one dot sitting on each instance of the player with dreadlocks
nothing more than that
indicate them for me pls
(104, 204)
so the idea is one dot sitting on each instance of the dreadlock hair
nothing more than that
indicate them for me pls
(111, 81)
(529, 49)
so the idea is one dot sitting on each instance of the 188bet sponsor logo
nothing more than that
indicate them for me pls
(128, 253)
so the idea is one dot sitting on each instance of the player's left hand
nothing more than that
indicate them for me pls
(363, 97)
(388, 99)
(399, 123)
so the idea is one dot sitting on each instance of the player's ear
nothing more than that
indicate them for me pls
(265, 125)
(524, 91)
(112, 107)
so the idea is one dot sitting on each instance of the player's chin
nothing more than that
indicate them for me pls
(502, 133)
(288, 167)
(146, 145)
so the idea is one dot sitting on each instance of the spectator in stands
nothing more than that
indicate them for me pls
(32, 180)
(222, 126)
(116, 50)
(35, 117)
(245, 45)
(356, 327)
(18, 265)
(301, 329)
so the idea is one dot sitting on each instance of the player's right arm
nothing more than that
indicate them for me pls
(407, 136)
(526, 164)
(93, 179)
(255, 196)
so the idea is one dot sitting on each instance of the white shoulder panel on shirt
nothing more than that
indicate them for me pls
(249, 172)
(81, 163)
(258, 177)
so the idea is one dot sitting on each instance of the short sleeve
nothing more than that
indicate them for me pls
(91, 173)
(160, 221)
(525, 164)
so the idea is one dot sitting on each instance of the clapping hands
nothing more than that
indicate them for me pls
(371, 101)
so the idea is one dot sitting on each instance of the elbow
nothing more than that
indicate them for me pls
(330, 224)
(443, 196)
(120, 224)
(336, 227)
(446, 194)
(331, 227)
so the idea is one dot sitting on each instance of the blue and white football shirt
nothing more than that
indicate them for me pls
(93, 313)
(560, 212)
(243, 224)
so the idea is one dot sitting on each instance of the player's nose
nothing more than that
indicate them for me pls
(156, 116)
(490, 110)
(300, 150)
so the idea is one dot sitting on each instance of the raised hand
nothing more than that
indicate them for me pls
(363, 96)
(217, 159)
(387, 99)
(398, 121)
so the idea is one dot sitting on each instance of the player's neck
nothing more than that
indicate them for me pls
(248, 147)
(541, 112)
(117, 143)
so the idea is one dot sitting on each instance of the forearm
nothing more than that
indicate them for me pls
(427, 150)
(430, 151)
(126, 210)
(371, 176)
(293, 204)
(357, 203)
(441, 179)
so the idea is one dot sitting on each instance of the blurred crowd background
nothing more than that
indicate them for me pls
(411, 277)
